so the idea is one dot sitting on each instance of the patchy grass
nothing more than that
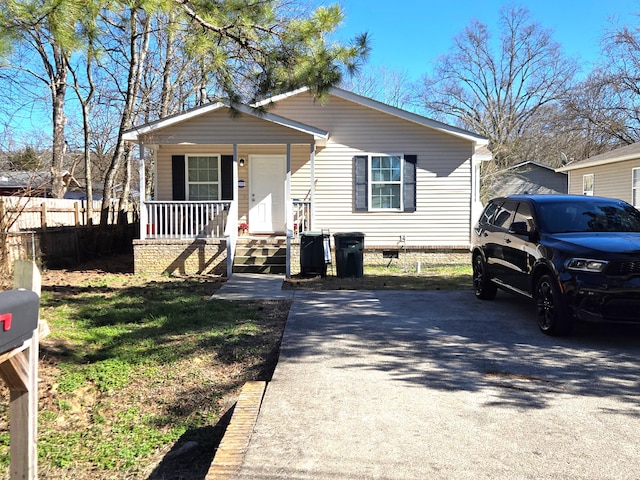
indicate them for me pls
(448, 273)
(134, 369)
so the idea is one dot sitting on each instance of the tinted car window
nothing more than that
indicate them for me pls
(525, 215)
(589, 217)
(488, 213)
(503, 216)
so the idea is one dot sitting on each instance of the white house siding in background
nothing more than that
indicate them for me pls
(611, 180)
(443, 209)
(612, 173)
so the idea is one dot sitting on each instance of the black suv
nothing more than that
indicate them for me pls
(577, 256)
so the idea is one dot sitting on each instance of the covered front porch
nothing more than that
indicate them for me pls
(199, 236)
(218, 177)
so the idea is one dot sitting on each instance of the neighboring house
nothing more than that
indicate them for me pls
(525, 178)
(614, 174)
(23, 183)
(350, 164)
(30, 184)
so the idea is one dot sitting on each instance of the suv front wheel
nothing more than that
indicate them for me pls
(552, 315)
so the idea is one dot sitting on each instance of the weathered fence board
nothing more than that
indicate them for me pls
(26, 213)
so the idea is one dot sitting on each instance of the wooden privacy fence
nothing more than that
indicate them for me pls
(41, 213)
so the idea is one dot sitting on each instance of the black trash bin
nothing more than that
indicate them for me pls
(349, 254)
(312, 254)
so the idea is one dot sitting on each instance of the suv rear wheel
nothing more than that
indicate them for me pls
(552, 315)
(482, 286)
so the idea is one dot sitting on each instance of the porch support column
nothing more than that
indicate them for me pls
(289, 210)
(143, 192)
(312, 190)
(231, 228)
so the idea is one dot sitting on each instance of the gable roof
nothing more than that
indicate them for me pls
(383, 107)
(136, 132)
(628, 152)
(530, 163)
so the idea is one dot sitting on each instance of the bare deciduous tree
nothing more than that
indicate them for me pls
(608, 100)
(496, 88)
(392, 87)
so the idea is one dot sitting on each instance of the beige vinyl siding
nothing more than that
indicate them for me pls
(219, 127)
(443, 178)
(611, 180)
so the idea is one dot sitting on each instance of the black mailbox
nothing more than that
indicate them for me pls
(18, 317)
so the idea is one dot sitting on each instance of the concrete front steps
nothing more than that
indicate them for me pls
(258, 254)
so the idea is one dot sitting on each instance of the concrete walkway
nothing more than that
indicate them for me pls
(436, 384)
(254, 286)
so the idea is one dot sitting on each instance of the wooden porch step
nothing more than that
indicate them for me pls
(270, 269)
(260, 254)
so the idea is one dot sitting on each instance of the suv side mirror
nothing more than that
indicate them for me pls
(519, 228)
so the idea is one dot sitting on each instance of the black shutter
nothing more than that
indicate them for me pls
(361, 185)
(409, 183)
(178, 177)
(226, 177)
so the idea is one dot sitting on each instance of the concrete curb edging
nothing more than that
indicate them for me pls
(228, 458)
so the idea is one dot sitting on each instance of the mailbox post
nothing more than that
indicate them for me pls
(19, 337)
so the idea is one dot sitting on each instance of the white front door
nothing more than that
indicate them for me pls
(266, 195)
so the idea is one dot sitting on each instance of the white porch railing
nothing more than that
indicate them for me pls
(185, 219)
(301, 216)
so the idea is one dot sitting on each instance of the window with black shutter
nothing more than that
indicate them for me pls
(385, 182)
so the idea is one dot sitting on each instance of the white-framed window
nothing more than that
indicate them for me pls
(385, 182)
(587, 184)
(203, 177)
(385, 188)
(635, 187)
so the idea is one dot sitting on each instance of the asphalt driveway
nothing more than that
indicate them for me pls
(438, 385)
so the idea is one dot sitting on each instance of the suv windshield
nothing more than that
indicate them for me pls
(568, 217)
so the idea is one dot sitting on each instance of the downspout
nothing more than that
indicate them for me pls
(143, 192)
(289, 211)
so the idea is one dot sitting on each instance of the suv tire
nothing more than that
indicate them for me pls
(551, 313)
(482, 285)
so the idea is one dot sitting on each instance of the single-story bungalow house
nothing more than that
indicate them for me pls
(614, 174)
(293, 164)
(525, 178)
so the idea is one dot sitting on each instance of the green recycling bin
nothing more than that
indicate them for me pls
(312, 253)
(349, 254)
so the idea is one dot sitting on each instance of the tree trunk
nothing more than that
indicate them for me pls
(58, 91)
(133, 82)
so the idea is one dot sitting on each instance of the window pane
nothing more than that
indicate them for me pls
(587, 184)
(386, 187)
(385, 169)
(203, 191)
(202, 177)
(385, 196)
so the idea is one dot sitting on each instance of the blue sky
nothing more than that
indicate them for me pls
(410, 34)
